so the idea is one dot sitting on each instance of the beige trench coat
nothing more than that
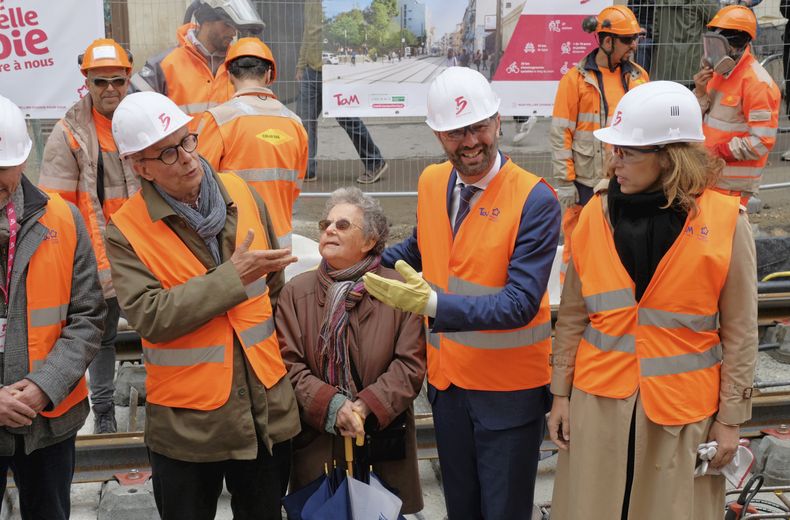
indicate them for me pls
(591, 475)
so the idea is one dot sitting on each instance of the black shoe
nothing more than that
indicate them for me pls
(311, 178)
(371, 176)
(104, 419)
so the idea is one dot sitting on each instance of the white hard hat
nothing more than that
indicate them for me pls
(655, 113)
(459, 97)
(15, 143)
(145, 118)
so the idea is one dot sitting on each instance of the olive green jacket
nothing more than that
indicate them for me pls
(252, 412)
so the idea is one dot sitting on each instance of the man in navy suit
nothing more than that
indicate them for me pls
(485, 240)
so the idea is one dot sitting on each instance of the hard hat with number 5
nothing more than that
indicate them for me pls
(459, 97)
(145, 118)
(655, 113)
(15, 143)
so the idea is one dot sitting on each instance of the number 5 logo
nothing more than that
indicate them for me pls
(165, 119)
(460, 105)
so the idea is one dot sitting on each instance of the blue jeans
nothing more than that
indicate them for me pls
(102, 368)
(309, 106)
(43, 479)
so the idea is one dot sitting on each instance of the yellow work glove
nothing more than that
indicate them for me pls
(411, 295)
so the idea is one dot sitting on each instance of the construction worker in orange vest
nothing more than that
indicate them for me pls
(585, 101)
(197, 267)
(739, 100)
(82, 165)
(257, 137)
(51, 314)
(193, 73)
(486, 237)
(656, 339)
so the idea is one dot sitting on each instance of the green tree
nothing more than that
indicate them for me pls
(347, 29)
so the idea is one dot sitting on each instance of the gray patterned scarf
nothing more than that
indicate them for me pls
(209, 219)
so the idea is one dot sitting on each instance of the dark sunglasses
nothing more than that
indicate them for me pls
(341, 224)
(630, 154)
(628, 40)
(116, 82)
(170, 154)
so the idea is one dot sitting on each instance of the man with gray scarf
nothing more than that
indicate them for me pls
(193, 73)
(197, 267)
(51, 316)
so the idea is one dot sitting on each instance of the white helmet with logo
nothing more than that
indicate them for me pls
(655, 113)
(15, 143)
(459, 97)
(145, 118)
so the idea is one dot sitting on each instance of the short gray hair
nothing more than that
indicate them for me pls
(374, 225)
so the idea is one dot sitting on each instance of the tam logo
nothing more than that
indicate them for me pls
(165, 119)
(460, 105)
(51, 235)
(618, 118)
(342, 101)
(82, 91)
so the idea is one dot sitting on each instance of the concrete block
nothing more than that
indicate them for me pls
(128, 502)
(772, 459)
(754, 205)
(129, 375)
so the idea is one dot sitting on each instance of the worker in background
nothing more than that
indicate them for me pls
(196, 266)
(486, 237)
(256, 136)
(50, 328)
(193, 73)
(585, 101)
(739, 101)
(656, 339)
(82, 165)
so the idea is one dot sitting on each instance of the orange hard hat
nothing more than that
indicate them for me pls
(617, 19)
(104, 52)
(252, 47)
(736, 18)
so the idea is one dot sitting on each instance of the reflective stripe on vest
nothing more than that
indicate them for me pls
(667, 345)
(48, 287)
(475, 264)
(195, 370)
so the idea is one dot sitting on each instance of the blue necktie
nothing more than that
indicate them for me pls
(467, 192)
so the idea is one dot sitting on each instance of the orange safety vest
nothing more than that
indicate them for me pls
(188, 78)
(475, 263)
(195, 370)
(260, 140)
(48, 287)
(667, 345)
(744, 113)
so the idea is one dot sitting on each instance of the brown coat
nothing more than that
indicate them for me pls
(388, 348)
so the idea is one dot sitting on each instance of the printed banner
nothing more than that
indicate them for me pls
(379, 57)
(39, 44)
(547, 42)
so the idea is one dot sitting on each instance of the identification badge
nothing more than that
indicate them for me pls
(3, 326)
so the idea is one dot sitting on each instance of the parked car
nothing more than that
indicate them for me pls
(329, 59)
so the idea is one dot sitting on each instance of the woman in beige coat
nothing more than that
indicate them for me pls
(631, 408)
(330, 327)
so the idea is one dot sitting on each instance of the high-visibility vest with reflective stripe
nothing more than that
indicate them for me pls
(578, 112)
(745, 105)
(195, 370)
(265, 144)
(189, 81)
(475, 263)
(48, 287)
(667, 345)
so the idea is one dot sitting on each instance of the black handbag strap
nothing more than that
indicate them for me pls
(354, 373)
(100, 178)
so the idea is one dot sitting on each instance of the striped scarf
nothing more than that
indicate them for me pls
(344, 290)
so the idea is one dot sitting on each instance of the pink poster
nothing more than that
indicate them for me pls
(545, 41)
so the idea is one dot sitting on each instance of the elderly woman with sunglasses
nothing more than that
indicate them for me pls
(656, 338)
(349, 356)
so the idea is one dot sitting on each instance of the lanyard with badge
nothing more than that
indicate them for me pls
(12, 230)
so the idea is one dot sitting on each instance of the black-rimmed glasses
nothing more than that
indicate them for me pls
(170, 154)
